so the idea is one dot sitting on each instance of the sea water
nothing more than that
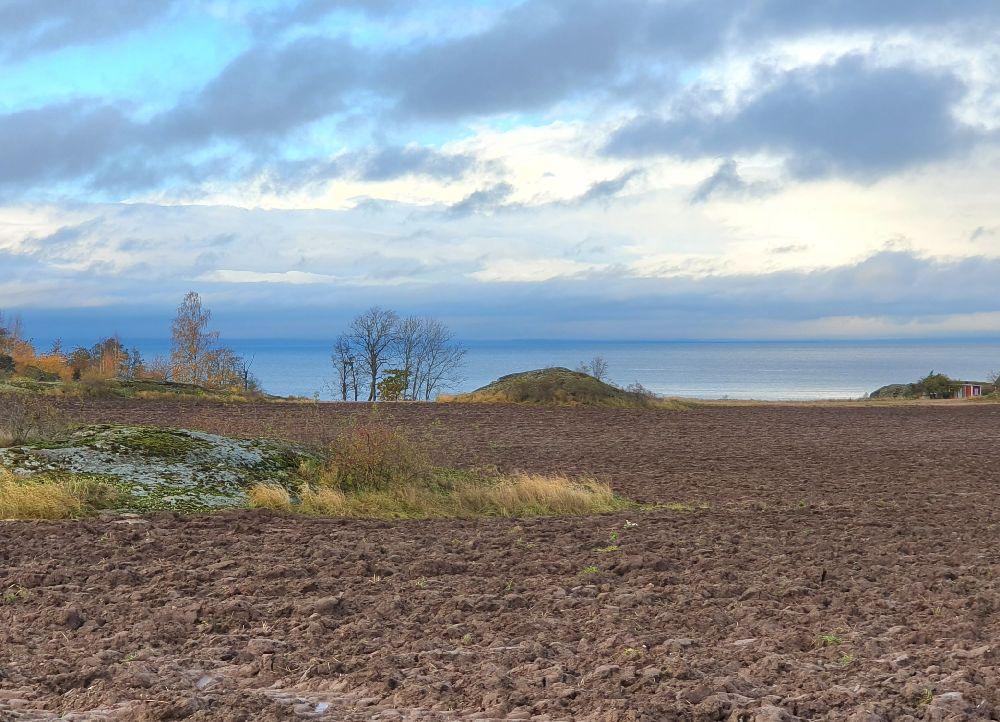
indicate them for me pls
(699, 369)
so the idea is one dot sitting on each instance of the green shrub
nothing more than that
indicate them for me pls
(393, 385)
(36, 374)
(937, 386)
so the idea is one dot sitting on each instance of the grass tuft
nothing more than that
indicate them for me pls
(829, 640)
(538, 495)
(466, 497)
(269, 496)
(56, 497)
(21, 499)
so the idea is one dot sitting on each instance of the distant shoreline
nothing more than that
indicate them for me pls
(710, 371)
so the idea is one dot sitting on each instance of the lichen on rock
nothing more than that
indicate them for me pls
(156, 468)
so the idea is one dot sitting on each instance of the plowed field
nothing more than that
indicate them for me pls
(812, 562)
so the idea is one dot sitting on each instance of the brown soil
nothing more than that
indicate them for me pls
(846, 567)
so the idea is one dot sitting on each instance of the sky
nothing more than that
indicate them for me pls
(637, 169)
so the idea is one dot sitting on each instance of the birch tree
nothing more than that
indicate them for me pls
(191, 341)
(345, 364)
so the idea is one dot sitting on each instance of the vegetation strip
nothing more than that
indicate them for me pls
(372, 470)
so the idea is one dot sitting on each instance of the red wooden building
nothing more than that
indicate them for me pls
(968, 390)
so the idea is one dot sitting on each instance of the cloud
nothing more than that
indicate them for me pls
(265, 92)
(64, 140)
(847, 118)
(292, 277)
(532, 270)
(28, 27)
(485, 200)
(544, 51)
(307, 12)
(606, 189)
(370, 165)
(881, 296)
(489, 142)
(726, 181)
(851, 118)
(789, 248)
(394, 162)
(536, 54)
(771, 18)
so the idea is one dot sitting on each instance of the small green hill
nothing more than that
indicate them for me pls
(561, 386)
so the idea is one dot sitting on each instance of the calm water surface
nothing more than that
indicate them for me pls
(738, 370)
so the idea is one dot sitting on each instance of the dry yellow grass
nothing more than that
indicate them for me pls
(322, 501)
(536, 495)
(269, 496)
(21, 499)
(508, 496)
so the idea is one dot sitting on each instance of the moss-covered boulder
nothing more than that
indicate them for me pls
(158, 468)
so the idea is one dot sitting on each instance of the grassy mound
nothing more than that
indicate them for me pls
(561, 386)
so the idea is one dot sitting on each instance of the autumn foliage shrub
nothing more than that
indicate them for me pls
(371, 454)
(376, 470)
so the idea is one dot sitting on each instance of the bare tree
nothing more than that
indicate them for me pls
(244, 372)
(191, 341)
(417, 355)
(12, 340)
(596, 367)
(5, 335)
(354, 370)
(345, 363)
(373, 334)
(134, 364)
(440, 360)
(410, 340)
(157, 368)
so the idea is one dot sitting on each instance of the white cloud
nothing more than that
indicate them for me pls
(291, 277)
(531, 270)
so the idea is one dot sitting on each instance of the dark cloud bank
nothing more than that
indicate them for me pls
(896, 287)
(853, 117)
